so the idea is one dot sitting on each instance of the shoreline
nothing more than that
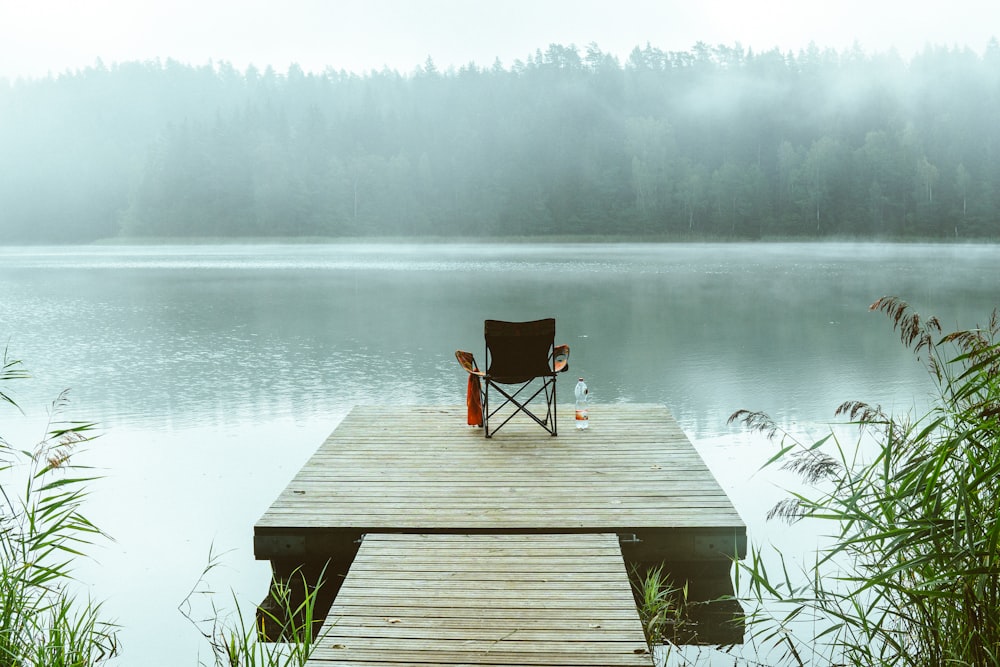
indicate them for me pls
(590, 239)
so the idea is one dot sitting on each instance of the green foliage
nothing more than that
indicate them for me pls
(234, 643)
(662, 606)
(41, 532)
(716, 142)
(913, 576)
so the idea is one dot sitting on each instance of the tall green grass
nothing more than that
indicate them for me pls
(236, 643)
(912, 576)
(42, 530)
(662, 607)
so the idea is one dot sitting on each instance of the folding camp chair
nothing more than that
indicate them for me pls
(517, 354)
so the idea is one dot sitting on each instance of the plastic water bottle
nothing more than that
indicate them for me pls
(582, 399)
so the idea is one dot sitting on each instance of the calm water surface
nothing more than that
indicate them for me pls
(215, 371)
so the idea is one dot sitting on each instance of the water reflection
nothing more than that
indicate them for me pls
(217, 369)
(194, 335)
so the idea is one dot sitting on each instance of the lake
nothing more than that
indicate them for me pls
(215, 371)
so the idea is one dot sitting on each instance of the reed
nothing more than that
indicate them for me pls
(236, 643)
(912, 576)
(662, 606)
(42, 531)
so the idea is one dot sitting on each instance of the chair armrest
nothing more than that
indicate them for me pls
(560, 358)
(468, 362)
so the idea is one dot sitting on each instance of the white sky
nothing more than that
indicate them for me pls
(42, 36)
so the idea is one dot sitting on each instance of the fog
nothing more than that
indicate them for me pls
(224, 365)
(361, 36)
(716, 142)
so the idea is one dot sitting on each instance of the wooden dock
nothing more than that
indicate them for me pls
(485, 600)
(422, 471)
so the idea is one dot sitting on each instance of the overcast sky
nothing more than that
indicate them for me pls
(42, 36)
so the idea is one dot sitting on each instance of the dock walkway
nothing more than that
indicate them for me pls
(485, 600)
(421, 471)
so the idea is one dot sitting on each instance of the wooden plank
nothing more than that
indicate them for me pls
(518, 611)
(498, 518)
(625, 622)
(554, 615)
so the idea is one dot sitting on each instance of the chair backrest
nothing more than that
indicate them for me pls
(519, 351)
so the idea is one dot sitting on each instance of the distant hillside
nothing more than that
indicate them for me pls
(715, 142)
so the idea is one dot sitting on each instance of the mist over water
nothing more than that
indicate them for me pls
(215, 371)
(716, 143)
(194, 335)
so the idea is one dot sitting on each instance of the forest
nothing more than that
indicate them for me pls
(717, 142)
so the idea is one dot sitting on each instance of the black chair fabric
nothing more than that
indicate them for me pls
(517, 353)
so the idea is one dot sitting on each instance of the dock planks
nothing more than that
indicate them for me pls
(484, 600)
(422, 469)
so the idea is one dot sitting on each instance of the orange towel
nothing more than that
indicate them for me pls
(474, 401)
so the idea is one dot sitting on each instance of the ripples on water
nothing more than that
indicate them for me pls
(216, 370)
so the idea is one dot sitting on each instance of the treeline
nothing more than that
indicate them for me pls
(713, 142)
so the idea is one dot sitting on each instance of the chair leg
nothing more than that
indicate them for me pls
(549, 422)
(554, 404)
(486, 410)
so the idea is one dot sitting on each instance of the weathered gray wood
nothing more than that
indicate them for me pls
(507, 613)
(560, 500)
(422, 469)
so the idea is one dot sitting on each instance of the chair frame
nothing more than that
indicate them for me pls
(537, 328)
